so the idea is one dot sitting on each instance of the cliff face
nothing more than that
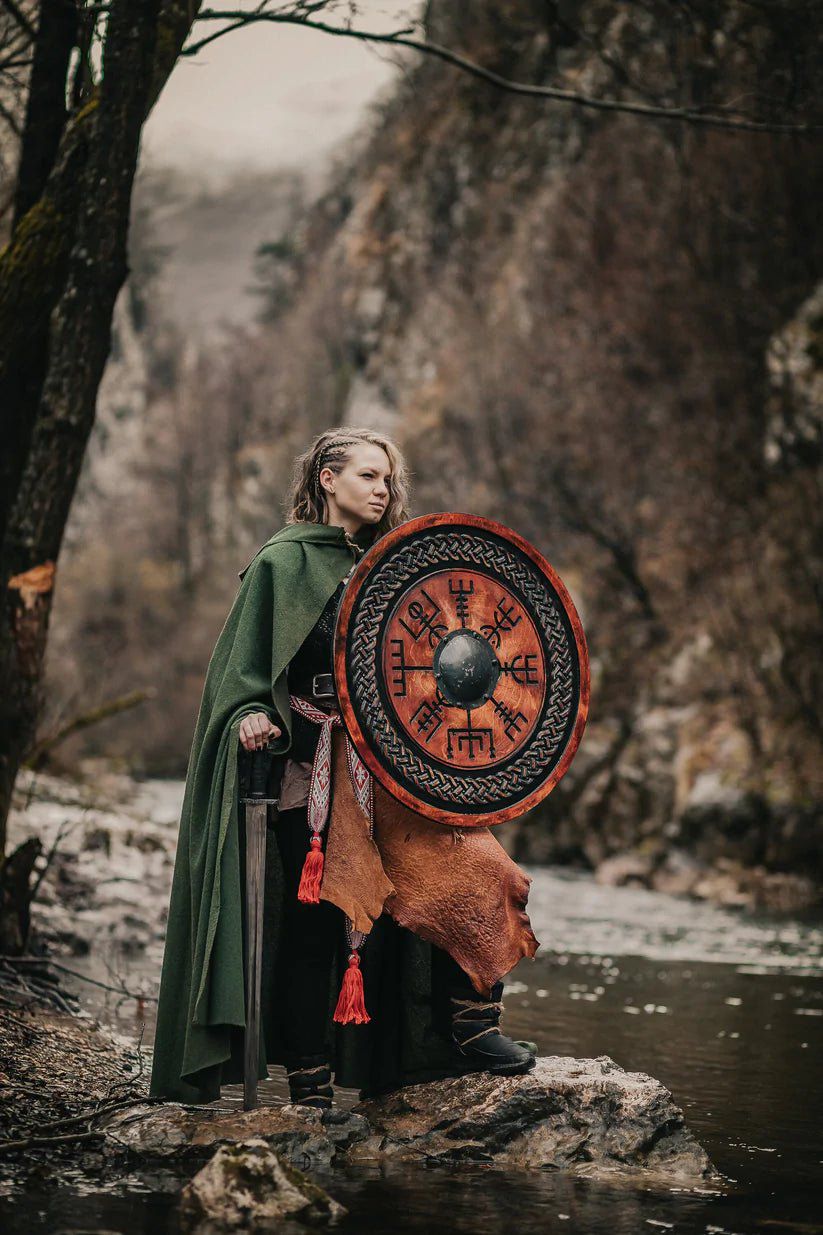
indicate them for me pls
(576, 323)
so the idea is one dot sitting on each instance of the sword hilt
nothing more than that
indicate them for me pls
(254, 777)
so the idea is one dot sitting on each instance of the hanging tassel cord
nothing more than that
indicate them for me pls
(311, 877)
(351, 1004)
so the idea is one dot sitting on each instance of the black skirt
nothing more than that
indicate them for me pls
(406, 982)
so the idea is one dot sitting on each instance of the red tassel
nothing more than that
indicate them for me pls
(350, 1004)
(312, 876)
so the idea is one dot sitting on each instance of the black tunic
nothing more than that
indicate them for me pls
(314, 656)
(407, 980)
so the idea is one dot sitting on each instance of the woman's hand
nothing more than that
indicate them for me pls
(255, 731)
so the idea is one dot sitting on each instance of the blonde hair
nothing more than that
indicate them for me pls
(307, 500)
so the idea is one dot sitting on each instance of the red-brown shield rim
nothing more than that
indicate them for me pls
(369, 559)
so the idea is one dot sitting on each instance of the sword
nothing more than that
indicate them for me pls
(255, 786)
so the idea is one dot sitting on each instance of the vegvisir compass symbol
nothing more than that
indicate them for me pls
(461, 669)
(456, 688)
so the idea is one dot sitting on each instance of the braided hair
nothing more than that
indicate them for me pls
(308, 501)
(315, 482)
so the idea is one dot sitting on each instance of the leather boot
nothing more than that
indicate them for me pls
(310, 1082)
(476, 1033)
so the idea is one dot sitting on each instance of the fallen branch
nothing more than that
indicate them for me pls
(40, 988)
(44, 960)
(7, 1016)
(37, 1142)
(32, 1142)
(37, 756)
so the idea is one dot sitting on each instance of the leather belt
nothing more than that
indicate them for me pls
(323, 687)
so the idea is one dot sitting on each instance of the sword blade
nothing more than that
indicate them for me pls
(255, 872)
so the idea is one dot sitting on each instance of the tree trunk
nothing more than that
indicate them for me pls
(78, 346)
(46, 105)
(59, 278)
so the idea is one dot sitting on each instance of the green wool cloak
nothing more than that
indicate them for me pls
(201, 1009)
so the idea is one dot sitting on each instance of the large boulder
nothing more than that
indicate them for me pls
(588, 1116)
(581, 1115)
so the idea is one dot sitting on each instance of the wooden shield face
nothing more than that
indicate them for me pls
(461, 669)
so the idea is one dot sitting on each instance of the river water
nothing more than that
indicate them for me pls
(725, 1008)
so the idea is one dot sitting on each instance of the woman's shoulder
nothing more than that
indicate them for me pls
(279, 549)
(288, 543)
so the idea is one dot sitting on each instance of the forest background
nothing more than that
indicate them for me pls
(603, 330)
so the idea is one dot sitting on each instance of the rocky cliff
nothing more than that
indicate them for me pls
(603, 331)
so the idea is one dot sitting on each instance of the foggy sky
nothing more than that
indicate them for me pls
(270, 96)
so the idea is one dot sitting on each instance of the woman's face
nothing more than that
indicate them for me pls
(360, 493)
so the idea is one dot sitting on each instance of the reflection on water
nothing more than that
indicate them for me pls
(725, 1009)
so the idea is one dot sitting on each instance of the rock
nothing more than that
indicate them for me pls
(174, 1132)
(583, 1115)
(678, 874)
(246, 1186)
(729, 883)
(632, 869)
(587, 1116)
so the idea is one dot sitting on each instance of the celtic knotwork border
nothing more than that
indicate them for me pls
(535, 763)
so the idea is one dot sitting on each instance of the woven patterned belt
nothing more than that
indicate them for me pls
(350, 1005)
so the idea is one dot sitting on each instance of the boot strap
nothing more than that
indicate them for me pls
(311, 1085)
(475, 1036)
(467, 1009)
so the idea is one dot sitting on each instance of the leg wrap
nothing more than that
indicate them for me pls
(310, 1083)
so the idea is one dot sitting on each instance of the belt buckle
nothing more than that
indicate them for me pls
(321, 694)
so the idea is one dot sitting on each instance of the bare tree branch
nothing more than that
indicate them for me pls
(401, 38)
(20, 17)
(103, 711)
(10, 119)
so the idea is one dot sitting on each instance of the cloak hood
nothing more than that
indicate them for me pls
(318, 534)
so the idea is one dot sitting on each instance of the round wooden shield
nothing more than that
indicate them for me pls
(461, 669)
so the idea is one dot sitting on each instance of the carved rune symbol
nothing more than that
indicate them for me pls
(428, 717)
(426, 620)
(471, 742)
(451, 694)
(397, 668)
(523, 674)
(503, 620)
(513, 722)
(461, 591)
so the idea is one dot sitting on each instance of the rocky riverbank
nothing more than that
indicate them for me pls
(587, 1116)
(108, 844)
(60, 1073)
(76, 1093)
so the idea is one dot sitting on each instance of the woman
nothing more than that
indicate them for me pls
(424, 1017)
